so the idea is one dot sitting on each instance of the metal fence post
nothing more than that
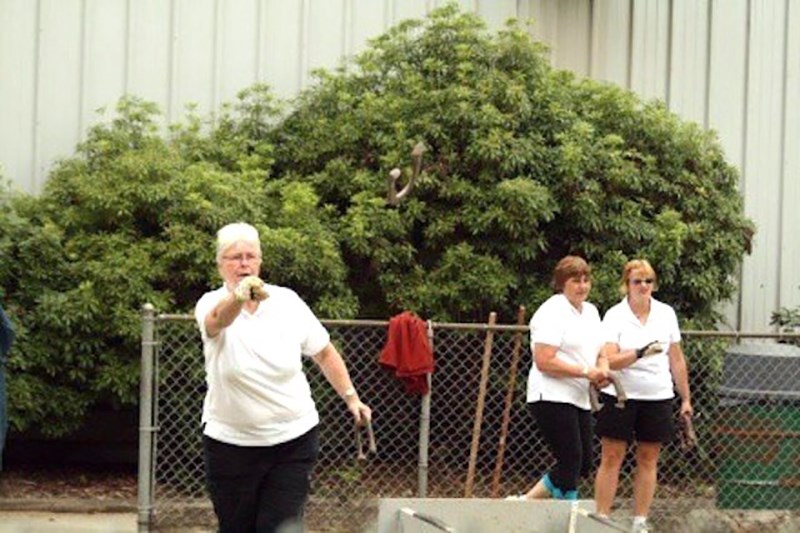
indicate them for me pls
(145, 478)
(424, 429)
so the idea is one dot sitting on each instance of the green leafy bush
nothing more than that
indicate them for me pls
(525, 164)
(131, 218)
(788, 321)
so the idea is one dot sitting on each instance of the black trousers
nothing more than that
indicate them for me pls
(567, 430)
(260, 488)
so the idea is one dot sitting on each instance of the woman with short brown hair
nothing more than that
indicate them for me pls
(565, 340)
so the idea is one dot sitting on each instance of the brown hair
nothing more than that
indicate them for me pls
(637, 264)
(569, 267)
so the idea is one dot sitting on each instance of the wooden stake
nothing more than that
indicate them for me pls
(512, 385)
(476, 428)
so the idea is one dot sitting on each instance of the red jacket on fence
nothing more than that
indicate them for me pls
(408, 352)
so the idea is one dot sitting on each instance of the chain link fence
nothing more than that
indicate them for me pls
(743, 475)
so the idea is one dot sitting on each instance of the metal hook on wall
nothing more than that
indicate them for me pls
(393, 197)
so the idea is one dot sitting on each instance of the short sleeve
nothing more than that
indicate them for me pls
(315, 336)
(547, 327)
(674, 327)
(204, 306)
(609, 328)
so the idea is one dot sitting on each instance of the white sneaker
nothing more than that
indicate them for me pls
(516, 498)
(640, 528)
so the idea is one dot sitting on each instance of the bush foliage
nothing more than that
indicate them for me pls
(523, 164)
(131, 218)
(787, 321)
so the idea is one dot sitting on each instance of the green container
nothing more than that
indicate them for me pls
(759, 457)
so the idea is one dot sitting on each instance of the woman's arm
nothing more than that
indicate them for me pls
(335, 371)
(225, 312)
(223, 315)
(620, 359)
(602, 361)
(680, 375)
(617, 359)
(604, 367)
(544, 355)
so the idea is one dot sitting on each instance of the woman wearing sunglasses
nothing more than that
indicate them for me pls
(643, 346)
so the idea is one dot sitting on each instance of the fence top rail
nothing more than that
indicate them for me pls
(174, 317)
(515, 328)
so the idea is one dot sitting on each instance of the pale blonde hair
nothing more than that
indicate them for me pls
(637, 264)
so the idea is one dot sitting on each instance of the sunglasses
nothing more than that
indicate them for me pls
(646, 281)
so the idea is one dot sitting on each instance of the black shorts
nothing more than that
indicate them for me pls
(643, 420)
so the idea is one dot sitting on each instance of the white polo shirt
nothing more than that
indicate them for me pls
(257, 392)
(578, 337)
(648, 378)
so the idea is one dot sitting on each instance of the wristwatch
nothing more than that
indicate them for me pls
(349, 393)
(585, 372)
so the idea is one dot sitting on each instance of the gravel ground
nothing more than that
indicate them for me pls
(45, 522)
(91, 500)
(67, 483)
(71, 500)
(67, 499)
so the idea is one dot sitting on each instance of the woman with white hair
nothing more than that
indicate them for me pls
(259, 420)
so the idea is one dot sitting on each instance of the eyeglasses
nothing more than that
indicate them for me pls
(646, 281)
(242, 258)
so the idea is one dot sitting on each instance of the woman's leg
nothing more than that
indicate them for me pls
(644, 482)
(232, 478)
(538, 492)
(587, 442)
(284, 490)
(615, 427)
(260, 488)
(560, 426)
(607, 479)
(655, 425)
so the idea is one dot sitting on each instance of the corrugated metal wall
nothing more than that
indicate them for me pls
(732, 65)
